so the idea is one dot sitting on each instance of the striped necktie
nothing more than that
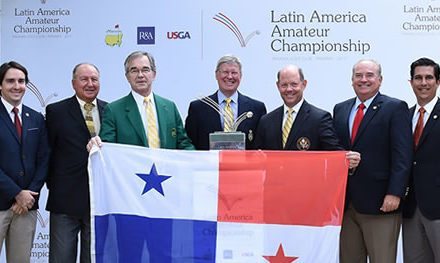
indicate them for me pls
(287, 126)
(228, 116)
(152, 131)
(88, 107)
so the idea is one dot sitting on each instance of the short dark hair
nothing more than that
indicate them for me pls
(425, 62)
(12, 64)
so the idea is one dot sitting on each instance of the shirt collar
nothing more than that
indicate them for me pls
(81, 102)
(295, 108)
(9, 107)
(428, 107)
(221, 97)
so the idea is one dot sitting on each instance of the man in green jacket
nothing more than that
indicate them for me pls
(142, 117)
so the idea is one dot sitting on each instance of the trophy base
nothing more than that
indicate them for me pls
(227, 141)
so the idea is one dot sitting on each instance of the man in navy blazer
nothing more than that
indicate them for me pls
(68, 183)
(421, 212)
(24, 158)
(203, 119)
(312, 128)
(372, 218)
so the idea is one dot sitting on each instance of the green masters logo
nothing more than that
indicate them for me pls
(113, 37)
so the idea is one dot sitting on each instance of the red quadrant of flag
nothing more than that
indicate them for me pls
(281, 187)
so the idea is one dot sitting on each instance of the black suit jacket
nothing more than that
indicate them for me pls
(312, 130)
(384, 140)
(68, 178)
(424, 187)
(23, 165)
(203, 120)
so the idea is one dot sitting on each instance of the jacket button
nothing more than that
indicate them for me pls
(21, 173)
(414, 163)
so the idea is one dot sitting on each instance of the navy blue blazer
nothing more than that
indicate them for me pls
(68, 180)
(424, 186)
(384, 140)
(23, 166)
(203, 120)
(312, 125)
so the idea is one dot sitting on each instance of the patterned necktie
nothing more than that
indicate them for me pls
(17, 122)
(228, 120)
(287, 126)
(152, 131)
(419, 127)
(88, 107)
(357, 121)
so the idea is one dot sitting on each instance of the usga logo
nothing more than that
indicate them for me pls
(178, 35)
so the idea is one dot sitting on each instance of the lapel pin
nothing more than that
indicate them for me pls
(375, 107)
(435, 117)
(27, 114)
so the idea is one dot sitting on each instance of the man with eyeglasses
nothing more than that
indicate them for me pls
(71, 123)
(421, 211)
(206, 116)
(379, 128)
(146, 119)
(142, 117)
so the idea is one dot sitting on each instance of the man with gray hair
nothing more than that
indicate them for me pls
(379, 128)
(204, 115)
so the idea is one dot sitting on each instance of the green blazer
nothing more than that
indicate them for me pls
(122, 123)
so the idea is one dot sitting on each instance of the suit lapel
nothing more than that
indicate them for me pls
(162, 112)
(278, 128)
(300, 119)
(134, 118)
(216, 122)
(369, 115)
(432, 122)
(6, 118)
(77, 115)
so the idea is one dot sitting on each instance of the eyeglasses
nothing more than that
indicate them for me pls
(420, 78)
(226, 73)
(136, 71)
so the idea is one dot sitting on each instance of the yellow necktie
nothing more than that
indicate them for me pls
(228, 120)
(88, 107)
(287, 126)
(152, 131)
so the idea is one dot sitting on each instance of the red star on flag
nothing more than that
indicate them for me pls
(279, 257)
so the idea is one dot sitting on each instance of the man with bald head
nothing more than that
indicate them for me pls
(379, 128)
(71, 123)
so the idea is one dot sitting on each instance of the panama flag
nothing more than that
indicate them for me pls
(171, 206)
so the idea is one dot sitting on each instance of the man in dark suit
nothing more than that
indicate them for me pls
(307, 127)
(379, 128)
(24, 158)
(206, 115)
(421, 212)
(70, 125)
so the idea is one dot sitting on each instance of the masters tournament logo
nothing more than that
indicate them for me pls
(113, 37)
(231, 25)
(43, 102)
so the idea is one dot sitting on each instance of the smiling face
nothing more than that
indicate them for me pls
(13, 86)
(290, 85)
(85, 82)
(424, 84)
(140, 75)
(366, 79)
(228, 78)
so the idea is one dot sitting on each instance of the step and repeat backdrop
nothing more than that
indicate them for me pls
(187, 38)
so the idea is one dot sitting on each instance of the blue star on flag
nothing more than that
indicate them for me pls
(153, 180)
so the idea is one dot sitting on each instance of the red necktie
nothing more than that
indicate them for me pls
(419, 127)
(357, 121)
(17, 122)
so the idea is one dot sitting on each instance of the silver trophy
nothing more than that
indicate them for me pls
(233, 140)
